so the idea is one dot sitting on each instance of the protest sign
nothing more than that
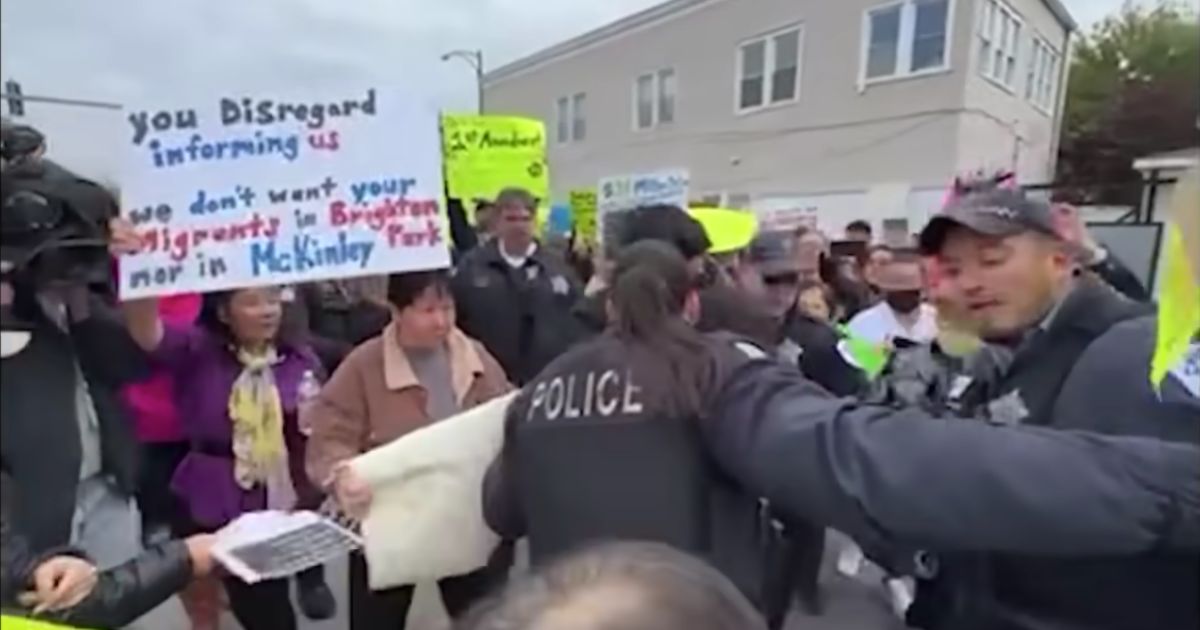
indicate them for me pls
(485, 154)
(1179, 297)
(254, 190)
(583, 206)
(728, 230)
(625, 192)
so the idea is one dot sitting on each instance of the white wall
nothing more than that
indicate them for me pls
(1013, 134)
(836, 137)
(831, 211)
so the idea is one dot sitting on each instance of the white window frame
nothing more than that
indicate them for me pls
(564, 123)
(989, 31)
(1042, 77)
(768, 41)
(656, 100)
(908, 30)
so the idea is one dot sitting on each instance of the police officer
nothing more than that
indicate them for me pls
(618, 438)
(1068, 351)
(514, 295)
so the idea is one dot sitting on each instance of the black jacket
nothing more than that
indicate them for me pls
(39, 432)
(584, 460)
(820, 359)
(1090, 371)
(1113, 271)
(1043, 362)
(332, 325)
(522, 316)
(900, 477)
(121, 595)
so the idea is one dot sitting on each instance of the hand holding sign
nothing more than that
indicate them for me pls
(123, 237)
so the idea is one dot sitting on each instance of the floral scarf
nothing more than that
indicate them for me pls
(256, 410)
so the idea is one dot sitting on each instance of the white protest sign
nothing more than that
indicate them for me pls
(247, 190)
(626, 192)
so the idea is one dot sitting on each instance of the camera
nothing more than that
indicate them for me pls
(53, 224)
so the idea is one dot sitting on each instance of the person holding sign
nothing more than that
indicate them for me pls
(240, 415)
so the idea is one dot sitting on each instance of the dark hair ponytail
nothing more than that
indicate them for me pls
(650, 288)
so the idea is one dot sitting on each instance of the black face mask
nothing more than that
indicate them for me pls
(904, 301)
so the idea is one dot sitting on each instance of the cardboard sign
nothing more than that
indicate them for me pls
(485, 154)
(254, 189)
(583, 207)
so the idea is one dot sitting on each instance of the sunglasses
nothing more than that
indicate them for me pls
(782, 279)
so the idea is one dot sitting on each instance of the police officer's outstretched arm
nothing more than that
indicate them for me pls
(949, 484)
(501, 505)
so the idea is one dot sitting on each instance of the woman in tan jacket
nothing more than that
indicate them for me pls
(421, 369)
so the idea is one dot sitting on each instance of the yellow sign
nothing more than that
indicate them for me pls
(583, 208)
(485, 154)
(727, 230)
(1179, 297)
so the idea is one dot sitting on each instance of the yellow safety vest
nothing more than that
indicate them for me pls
(8, 622)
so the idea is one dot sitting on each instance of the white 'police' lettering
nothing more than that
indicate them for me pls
(585, 395)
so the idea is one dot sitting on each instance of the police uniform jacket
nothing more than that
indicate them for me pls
(586, 459)
(521, 315)
(1086, 369)
(902, 477)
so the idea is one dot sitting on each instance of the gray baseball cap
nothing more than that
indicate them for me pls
(774, 253)
(1001, 212)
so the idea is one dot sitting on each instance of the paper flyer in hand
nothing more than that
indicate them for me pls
(272, 545)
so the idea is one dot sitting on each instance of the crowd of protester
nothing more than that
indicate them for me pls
(1007, 458)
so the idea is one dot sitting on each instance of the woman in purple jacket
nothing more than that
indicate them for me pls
(238, 404)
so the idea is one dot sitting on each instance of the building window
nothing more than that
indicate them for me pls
(999, 43)
(666, 96)
(929, 35)
(578, 117)
(562, 115)
(644, 99)
(654, 99)
(571, 118)
(906, 38)
(1041, 81)
(884, 42)
(769, 70)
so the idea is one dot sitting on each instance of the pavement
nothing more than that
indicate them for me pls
(858, 603)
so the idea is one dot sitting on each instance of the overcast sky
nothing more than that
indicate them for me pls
(136, 50)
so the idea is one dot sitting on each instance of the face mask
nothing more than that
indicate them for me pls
(904, 301)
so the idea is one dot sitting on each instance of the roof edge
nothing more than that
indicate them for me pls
(644, 17)
(1168, 160)
(1060, 11)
